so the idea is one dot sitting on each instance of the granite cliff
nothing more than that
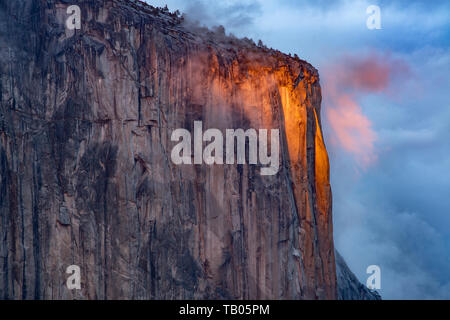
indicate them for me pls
(86, 118)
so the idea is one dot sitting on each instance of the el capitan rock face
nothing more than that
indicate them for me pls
(86, 176)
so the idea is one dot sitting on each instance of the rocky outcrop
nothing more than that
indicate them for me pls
(86, 118)
(349, 287)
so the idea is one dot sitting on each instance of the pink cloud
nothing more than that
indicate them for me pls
(353, 131)
(344, 83)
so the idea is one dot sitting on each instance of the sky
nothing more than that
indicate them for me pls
(386, 122)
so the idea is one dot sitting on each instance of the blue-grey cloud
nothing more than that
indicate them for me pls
(232, 14)
(395, 213)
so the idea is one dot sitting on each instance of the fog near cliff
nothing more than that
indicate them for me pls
(386, 120)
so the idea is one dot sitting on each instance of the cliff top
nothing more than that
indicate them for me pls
(216, 36)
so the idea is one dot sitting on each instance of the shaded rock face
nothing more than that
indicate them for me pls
(86, 175)
(349, 287)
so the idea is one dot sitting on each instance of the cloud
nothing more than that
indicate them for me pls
(395, 213)
(344, 81)
(232, 14)
(352, 130)
(401, 243)
(371, 73)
